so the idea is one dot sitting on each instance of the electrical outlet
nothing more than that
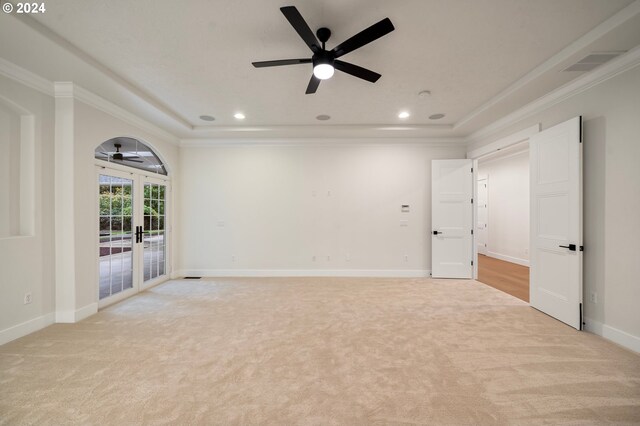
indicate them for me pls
(313, 258)
(28, 298)
(406, 257)
(526, 251)
(233, 258)
(594, 297)
(347, 258)
(328, 258)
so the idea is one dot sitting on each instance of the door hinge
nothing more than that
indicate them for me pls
(581, 319)
(472, 201)
(472, 232)
(472, 263)
(472, 170)
(581, 248)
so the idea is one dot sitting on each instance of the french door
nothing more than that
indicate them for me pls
(132, 247)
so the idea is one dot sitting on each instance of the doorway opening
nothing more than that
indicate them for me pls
(502, 220)
(133, 195)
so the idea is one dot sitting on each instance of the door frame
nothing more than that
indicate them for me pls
(138, 177)
(475, 211)
(475, 155)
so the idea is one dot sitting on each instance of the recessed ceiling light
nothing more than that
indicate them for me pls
(323, 117)
(436, 116)
(207, 118)
(404, 114)
(239, 116)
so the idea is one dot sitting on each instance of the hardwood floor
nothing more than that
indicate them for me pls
(505, 276)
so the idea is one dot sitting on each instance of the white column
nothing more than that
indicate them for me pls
(64, 203)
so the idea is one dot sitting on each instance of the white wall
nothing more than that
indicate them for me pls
(611, 113)
(508, 206)
(27, 262)
(275, 207)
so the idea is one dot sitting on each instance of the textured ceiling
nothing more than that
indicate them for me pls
(195, 57)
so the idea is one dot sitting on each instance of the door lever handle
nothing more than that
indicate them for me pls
(436, 232)
(571, 247)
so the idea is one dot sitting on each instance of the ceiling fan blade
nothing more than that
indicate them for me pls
(372, 33)
(133, 161)
(300, 25)
(313, 85)
(280, 62)
(357, 71)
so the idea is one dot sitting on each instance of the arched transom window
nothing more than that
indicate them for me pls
(130, 152)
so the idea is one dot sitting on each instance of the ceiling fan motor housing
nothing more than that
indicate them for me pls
(323, 57)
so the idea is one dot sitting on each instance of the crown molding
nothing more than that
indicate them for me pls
(216, 142)
(327, 131)
(100, 103)
(616, 66)
(67, 89)
(583, 42)
(26, 77)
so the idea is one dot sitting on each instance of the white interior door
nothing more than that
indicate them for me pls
(556, 222)
(451, 218)
(482, 216)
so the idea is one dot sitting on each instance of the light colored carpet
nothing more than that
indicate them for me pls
(318, 351)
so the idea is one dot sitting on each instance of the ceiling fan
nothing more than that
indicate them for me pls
(118, 156)
(325, 61)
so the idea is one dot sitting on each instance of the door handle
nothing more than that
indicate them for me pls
(137, 234)
(436, 232)
(571, 247)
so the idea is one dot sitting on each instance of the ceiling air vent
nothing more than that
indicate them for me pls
(593, 60)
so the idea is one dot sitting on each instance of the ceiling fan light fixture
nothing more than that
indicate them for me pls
(323, 65)
(323, 71)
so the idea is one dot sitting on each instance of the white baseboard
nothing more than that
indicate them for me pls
(391, 273)
(620, 337)
(77, 315)
(516, 260)
(27, 327)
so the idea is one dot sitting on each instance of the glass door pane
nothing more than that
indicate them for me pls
(154, 236)
(115, 234)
